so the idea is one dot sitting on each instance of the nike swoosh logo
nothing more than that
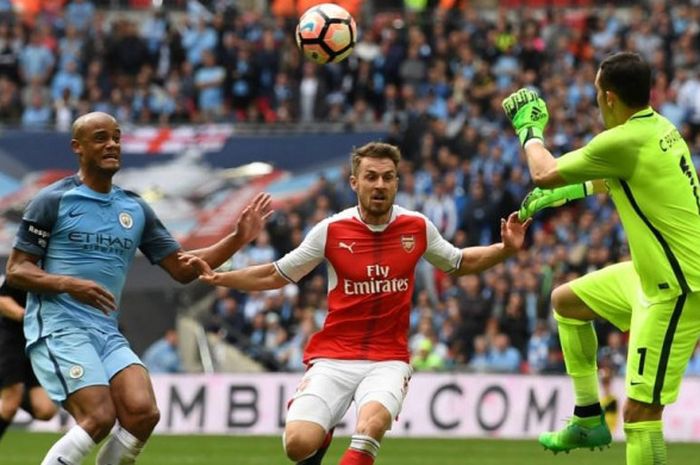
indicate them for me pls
(635, 383)
(75, 214)
(61, 461)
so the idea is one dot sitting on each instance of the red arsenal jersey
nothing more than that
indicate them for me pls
(371, 271)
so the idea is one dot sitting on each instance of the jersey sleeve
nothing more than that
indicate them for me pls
(37, 223)
(300, 261)
(156, 241)
(608, 155)
(439, 252)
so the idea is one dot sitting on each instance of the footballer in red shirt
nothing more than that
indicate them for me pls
(361, 353)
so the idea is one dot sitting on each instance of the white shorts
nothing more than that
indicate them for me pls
(329, 386)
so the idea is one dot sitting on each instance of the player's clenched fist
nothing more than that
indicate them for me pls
(527, 113)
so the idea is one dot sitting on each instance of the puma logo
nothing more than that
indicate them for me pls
(349, 247)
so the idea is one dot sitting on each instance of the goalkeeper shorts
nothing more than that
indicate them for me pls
(663, 335)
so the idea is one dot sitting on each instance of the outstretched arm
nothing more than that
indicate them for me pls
(480, 258)
(249, 225)
(252, 278)
(290, 268)
(539, 199)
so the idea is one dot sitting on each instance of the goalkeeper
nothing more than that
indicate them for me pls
(647, 169)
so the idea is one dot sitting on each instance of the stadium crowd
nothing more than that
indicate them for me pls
(434, 79)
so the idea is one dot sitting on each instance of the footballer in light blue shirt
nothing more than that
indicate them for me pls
(76, 242)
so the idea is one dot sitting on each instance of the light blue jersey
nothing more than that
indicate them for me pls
(89, 235)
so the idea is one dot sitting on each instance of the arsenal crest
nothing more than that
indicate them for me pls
(408, 243)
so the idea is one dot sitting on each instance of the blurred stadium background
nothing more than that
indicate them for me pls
(216, 105)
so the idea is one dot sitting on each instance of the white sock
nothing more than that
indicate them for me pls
(71, 449)
(121, 448)
(364, 443)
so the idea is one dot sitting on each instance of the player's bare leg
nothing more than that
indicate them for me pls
(137, 412)
(587, 428)
(373, 421)
(42, 408)
(303, 440)
(10, 399)
(644, 432)
(94, 414)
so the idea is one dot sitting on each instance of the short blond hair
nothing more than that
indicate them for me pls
(374, 150)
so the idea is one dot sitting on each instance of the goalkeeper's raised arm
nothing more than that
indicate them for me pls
(528, 114)
(606, 156)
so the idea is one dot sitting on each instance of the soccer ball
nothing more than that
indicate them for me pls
(326, 33)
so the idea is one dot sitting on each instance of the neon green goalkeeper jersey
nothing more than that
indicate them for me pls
(652, 181)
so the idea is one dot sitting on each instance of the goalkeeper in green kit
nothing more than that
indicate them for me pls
(643, 163)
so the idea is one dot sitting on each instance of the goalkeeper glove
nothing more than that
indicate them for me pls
(539, 199)
(527, 113)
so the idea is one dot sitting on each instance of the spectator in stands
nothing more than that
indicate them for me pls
(503, 357)
(513, 323)
(10, 103)
(260, 251)
(227, 319)
(80, 13)
(477, 217)
(162, 356)
(426, 358)
(292, 357)
(198, 39)
(64, 109)
(479, 361)
(127, 53)
(68, 78)
(614, 353)
(154, 30)
(10, 50)
(38, 114)
(36, 61)
(474, 306)
(538, 348)
(424, 332)
(440, 208)
(70, 48)
(209, 81)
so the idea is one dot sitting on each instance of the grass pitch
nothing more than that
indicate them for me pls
(23, 448)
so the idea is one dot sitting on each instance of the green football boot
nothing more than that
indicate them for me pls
(576, 435)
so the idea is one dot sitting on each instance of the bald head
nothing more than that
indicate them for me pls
(90, 120)
(96, 140)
